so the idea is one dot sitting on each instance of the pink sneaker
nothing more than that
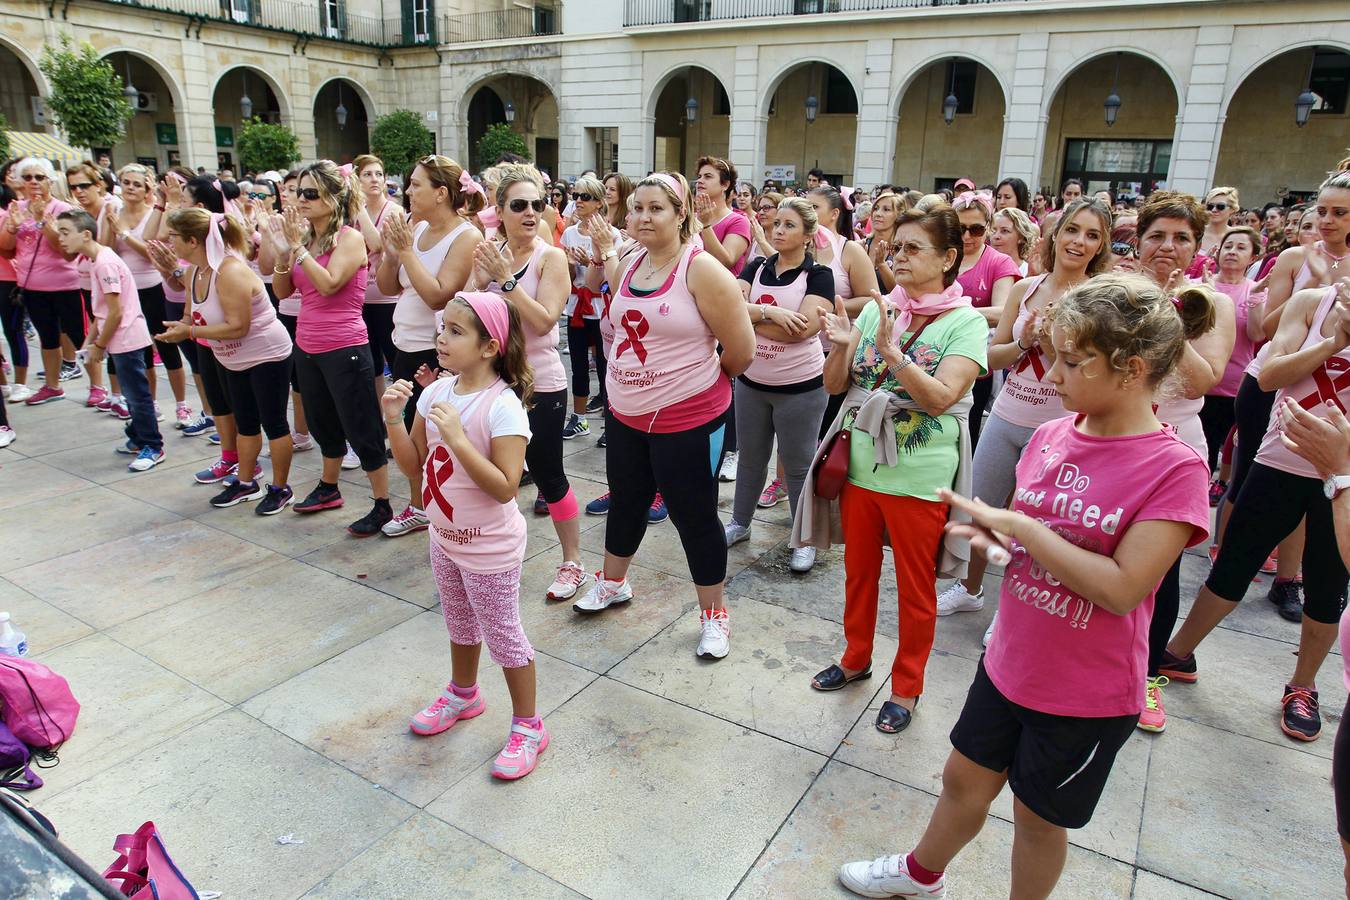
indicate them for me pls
(521, 752)
(445, 711)
(1154, 717)
(45, 394)
(98, 398)
(119, 409)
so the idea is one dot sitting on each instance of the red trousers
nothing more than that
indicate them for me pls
(915, 530)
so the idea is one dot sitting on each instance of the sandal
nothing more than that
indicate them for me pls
(894, 718)
(833, 678)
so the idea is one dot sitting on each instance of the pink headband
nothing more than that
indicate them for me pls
(669, 181)
(216, 251)
(973, 198)
(468, 185)
(544, 175)
(491, 311)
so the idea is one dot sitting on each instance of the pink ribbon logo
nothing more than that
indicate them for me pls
(766, 300)
(1031, 359)
(635, 328)
(1330, 380)
(440, 466)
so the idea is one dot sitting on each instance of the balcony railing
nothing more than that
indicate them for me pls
(666, 12)
(517, 22)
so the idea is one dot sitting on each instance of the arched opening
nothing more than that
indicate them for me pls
(524, 103)
(240, 94)
(693, 119)
(813, 124)
(1130, 156)
(1263, 150)
(20, 99)
(341, 122)
(938, 140)
(151, 137)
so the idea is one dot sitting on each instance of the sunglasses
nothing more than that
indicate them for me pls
(583, 198)
(973, 230)
(520, 204)
(308, 193)
(83, 186)
(1119, 248)
(1216, 207)
(264, 195)
(31, 177)
(909, 248)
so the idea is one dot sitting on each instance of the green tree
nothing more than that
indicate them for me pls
(498, 139)
(86, 101)
(399, 140)
(263, 146)
(4, 137)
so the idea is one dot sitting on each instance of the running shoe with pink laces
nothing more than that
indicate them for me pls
(182, 415)
(521, 752)
(445, 711)
(772, 495)
(120, 410)
(98, 396)
(571, 576)
(410, 520)
(1154, 717)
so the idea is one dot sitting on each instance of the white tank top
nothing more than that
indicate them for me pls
(414, 321)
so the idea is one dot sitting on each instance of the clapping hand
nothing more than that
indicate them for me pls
(836, 327)
(162, 257)
(294, 226)
(396, 234)
(990, 529)
(497, 264)
(885, 339)
(425, 375)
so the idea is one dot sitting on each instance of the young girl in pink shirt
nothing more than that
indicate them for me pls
(468, 437)
(1106, 499)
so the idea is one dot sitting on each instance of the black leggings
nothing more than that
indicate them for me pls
(979, 396)
(683, 466)
(291, 323)
(379, 319)
(54, 313)
(213, 381)
(1166, 610)
(1270, 506)
(544, 452)
(579, 340)
(11, 318)
(1251, 408)
(1340, 774)
(1217, 417)
(405, 366)
(156, 309)
(258, 396)
(340, 403)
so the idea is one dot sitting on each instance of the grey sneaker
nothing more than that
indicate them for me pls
(736, 533)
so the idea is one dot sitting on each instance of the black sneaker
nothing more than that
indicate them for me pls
(576, 426)
(372, 522)
(324, 496)
(1302, 718)
(540, 505)
(277, 499)
(526, 478)
(604, 439)
(1288, 599)
(238, 492)
(595, 405)
(1177, 668)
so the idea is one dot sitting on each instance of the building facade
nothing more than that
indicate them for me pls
(912, 92)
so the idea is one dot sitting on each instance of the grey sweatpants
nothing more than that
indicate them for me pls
(795, 419)
(994, 472)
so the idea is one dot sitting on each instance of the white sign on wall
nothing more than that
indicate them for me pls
(781, 173)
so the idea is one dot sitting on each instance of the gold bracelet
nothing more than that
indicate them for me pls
(276, 271)
(394, 420)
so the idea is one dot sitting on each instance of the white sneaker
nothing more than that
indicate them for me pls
(989, 632)
(569, 580)
(410, 520)
(728, 470)
(887, 877)
(4, 390)
(19, 393)
(350, 460)
(802, 559)
(715, 638)
(957, 599)
(7, 435)
(736, 532)
(604, 594)
(301, 442)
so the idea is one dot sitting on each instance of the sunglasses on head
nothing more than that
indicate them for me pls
(34, 177)
(83, 186)
(973, 230)
(307, 193)
(583, 198)
(1120, 248)
(1216, 207)
(520, 204)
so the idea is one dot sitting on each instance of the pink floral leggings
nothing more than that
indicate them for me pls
(482, 607)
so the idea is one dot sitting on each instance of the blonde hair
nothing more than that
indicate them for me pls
(679, 202)
(591, 185)
(340, 193)
(1123, 316)
(511, 174)
(805, 211)
(135, 169)
(1228, 193)
(444, 172)
(1102, 260)
(1022, 224)
(195, 223)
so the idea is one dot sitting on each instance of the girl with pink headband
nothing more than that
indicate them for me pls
(468, 436)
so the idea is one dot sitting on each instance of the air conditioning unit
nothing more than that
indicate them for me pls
(147, 101)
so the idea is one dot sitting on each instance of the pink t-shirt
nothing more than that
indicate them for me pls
(1244, 349)
(36, 265)
(1053, 650)
(978, 281)
(735, 223)
(109, 274)
(331, 322)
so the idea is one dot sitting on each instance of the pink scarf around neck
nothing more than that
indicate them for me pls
(908, 307)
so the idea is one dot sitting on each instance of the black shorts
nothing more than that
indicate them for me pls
(258, 396)
(379, 319)
(338, 389)
(1057, 765)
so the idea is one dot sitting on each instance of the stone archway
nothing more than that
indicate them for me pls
(341, 121)
(932, 152)
(812, 122)
(525, 103)
(691, 115)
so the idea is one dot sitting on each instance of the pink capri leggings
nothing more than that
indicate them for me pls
(482, 608)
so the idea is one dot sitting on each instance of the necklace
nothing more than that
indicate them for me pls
(1336, 260)
(653, 269)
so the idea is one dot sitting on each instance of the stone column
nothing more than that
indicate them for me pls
(749, 125)
(1195, 149)
(197, 132)
(874, 145)
(1024, 121)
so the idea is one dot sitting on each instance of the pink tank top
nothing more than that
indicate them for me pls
(664, 351)
(1329, 383)
(143, 271)
(332, 322)
(473, 529)
(777, 363)
(842, 285)
(540, 349)
(1244, 350)
(267, 339)
(373, 294)
(1027, 399)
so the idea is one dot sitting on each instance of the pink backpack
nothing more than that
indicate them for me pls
(36, 703)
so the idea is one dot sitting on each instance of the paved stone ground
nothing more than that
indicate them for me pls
(245, 678)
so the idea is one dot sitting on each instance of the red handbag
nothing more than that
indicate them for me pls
(832, 468)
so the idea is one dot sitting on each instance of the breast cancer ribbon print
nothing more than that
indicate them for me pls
(440, 466)
(1332, 378)
(1033, 360)
(635, 328)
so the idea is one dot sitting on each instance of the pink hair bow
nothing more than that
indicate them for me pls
(970, 198)
(846, 194)
(544, 175)
(216, 251)
(346, 170)
(468, 185)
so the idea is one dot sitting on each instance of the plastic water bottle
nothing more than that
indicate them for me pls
(12, 641)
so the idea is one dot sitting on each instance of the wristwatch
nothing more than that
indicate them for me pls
(905, 362)
(1334, 484)
(179, 272)
(508, 285)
